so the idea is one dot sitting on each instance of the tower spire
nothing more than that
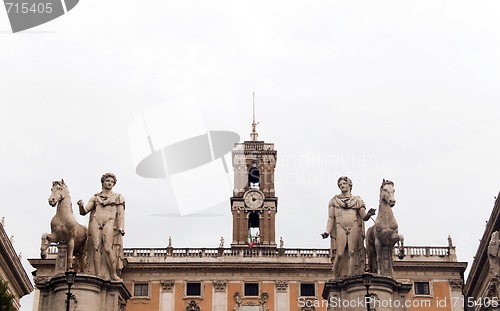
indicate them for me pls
(254, 133)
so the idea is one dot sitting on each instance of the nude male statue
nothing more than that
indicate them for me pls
(345, 226)
(106, 228)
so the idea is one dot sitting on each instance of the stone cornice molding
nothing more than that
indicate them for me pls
(12, 265)
(52, 282)
(430, 265)
(480, 261)
(300, 266)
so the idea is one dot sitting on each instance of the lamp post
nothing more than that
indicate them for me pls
(70, 280)
(367, 282)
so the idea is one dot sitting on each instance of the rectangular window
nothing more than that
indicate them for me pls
(193, 289)
(307, 290)
(141, 289)
(421, 288)
(251, 289)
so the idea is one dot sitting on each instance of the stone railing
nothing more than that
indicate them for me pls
(411, 251)
(224, 252)
(426, 251)
(255, 146)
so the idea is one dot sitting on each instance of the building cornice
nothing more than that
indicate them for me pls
(481, 260)
(431, 265)
(12, 265)
(284, 267)
(228, 266)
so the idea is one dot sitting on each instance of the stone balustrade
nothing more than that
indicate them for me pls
(427, 251)
(410, 251)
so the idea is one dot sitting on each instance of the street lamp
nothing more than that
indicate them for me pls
(367, 282)
(70, 280)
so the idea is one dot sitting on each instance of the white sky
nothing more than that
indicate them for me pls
(402, 90)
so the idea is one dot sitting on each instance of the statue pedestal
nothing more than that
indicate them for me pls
(89, 293)
(348, 294)
(61, 259)
(386, 261)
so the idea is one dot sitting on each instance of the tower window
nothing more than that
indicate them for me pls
(254, 178)
(253, 229)
(253, 220)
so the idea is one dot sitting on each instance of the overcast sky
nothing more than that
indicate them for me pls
(407, 91)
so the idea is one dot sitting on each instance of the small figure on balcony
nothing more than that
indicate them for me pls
(221, 244)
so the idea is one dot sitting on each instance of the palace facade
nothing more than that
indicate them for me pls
(257, 274)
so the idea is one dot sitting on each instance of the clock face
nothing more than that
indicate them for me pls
(254, 198)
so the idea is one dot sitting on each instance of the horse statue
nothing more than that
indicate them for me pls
(65, 228)
(383, 235)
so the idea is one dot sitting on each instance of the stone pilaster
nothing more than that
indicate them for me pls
(219, 302)
(167, 295)
(282, 296)
(456, 286)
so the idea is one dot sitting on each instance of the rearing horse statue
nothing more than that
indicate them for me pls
(65, 228)
(383, 235)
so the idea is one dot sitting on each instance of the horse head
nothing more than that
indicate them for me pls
(387, 192)
(58, 192)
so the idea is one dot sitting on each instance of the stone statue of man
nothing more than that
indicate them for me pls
(106, 228)
(345, 226)
(494, 254)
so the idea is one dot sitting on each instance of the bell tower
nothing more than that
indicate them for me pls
(254, 204)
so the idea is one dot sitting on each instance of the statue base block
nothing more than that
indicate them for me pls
(88, 293)
(349, 294)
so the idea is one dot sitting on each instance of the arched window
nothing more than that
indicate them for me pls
(253, 220)
(253, 229)
(254, 178)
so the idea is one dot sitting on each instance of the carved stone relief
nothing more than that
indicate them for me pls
(220, 285)
(458, 284)
(281, 286)
(167, 285)
(193, 306)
